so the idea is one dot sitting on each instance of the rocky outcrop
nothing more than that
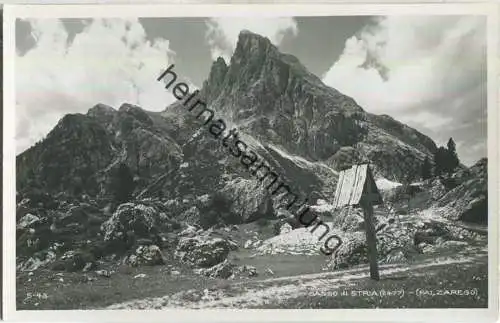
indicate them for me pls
(469, 200)
(69, 227)
(400, 240)
(78, 155)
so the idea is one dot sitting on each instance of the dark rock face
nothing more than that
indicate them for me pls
(80, 153)
(68, 159)
(404, 133)
(278, 101)
(469, 200)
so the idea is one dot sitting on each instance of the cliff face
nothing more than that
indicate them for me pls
(275, 99)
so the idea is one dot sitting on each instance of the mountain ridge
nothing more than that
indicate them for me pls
(269, 95)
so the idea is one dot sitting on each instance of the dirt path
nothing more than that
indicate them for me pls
(261, 293)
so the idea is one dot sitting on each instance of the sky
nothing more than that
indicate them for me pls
(427, 71)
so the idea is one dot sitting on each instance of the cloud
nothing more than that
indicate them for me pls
(430, 120)
(222, 33)
(427, 71)
(110, 61)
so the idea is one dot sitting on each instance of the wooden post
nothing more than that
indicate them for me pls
(356, 186)
(371, 239)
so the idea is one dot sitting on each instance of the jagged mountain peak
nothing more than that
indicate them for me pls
(250, 43)
(102, 111)
(257, 63)
(273, 96)
(218, 71)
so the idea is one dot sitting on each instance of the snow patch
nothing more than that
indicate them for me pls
(322, 206)
(384, 184)
(300, 241)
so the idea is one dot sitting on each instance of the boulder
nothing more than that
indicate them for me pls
(227, 270)
(467, 202)
(202, 251)
(149, 255)
(250, 200)
(138, 218)
(134, 221)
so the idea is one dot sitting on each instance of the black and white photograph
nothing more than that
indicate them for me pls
(250, 161)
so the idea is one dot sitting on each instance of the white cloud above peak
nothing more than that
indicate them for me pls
(427, 71)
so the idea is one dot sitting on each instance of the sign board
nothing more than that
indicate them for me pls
(355, 183)
(356, 186)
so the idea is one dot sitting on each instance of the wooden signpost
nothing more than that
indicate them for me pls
(357, 187)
